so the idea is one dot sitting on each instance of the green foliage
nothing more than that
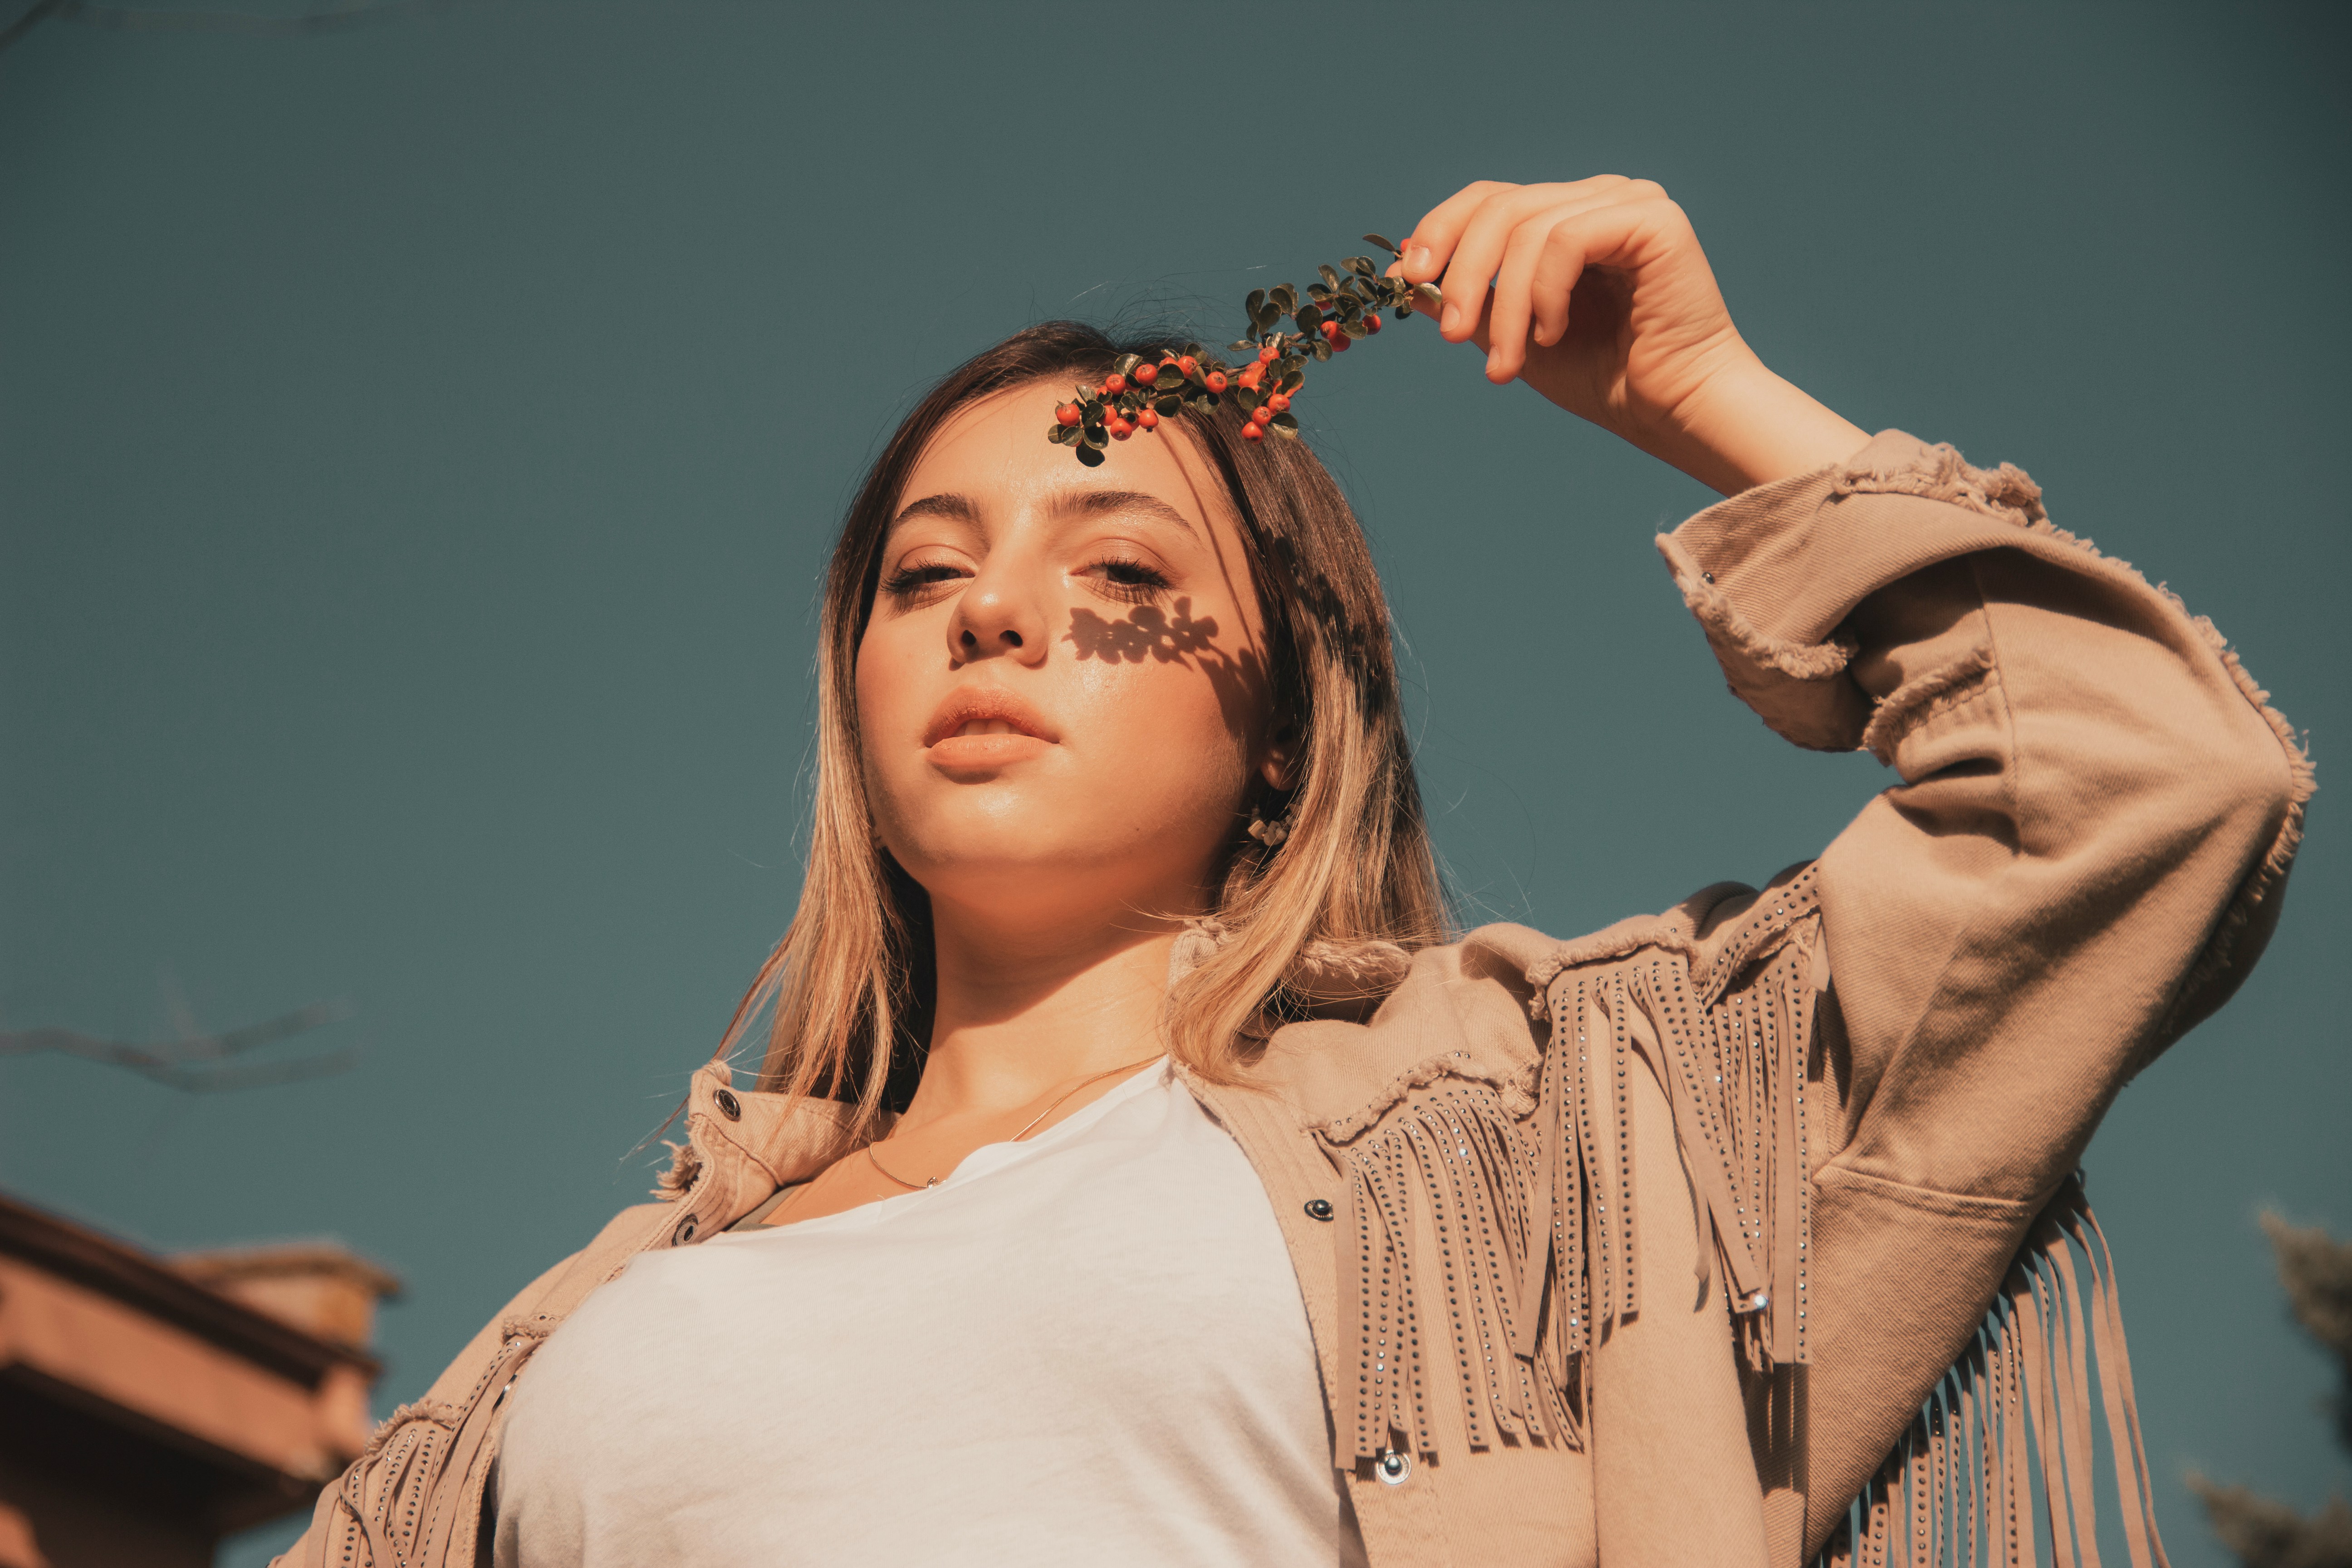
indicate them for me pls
(2260, 1531)
(1349, 296)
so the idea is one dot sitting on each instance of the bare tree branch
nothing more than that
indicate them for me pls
(186, 1064)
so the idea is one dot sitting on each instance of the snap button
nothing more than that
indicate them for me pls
(1392, 1468)
(729, 1106)
(1318, 1208)
(1708, 577)
(686, 1230)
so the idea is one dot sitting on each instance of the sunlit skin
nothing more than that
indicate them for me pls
(1099, 629)
(1063, 713)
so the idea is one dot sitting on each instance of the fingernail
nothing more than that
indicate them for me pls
(1416, 258)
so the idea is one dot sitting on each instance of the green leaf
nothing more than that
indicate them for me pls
(1310, 318)
(1322, 348)
(1097, 437)
(1254, 303)
(1091, 457)
(1059, 433)
(1284, 421)
(1284, 298)
(1388, 244)
(1168, 406)
(1316, 291)
(1265, 318)
(1330, 276)
(1350, 306)
(1362, 265)
(1246, 398)
(1209, 398)
(1430, 292)
(1353, 326)
(1242, 345)
(1127, 362)
(1404, 312)
(1289, 433)
(1291, 381)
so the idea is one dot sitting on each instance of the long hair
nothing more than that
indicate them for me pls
(847, 991)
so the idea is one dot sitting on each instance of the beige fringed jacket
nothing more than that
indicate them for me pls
(1747, 1231)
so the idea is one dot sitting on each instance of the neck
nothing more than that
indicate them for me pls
(1020, 1012)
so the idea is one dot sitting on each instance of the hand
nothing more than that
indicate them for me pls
(1596, 294)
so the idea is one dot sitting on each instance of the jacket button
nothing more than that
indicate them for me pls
(729, 1106)
(684, 1232)
(1318, 1208)
(1392, 1468)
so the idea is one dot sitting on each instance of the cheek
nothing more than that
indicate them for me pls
(1165, 735)
(893, 701)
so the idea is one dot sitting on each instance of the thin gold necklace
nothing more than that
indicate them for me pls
(1081, 1083)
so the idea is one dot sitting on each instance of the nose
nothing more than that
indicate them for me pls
(997, 616)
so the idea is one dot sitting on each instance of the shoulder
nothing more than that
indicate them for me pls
(1478, 1008)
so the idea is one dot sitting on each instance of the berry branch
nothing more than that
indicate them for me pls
(1140, 392)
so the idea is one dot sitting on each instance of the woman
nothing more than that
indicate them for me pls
(1138, 1171)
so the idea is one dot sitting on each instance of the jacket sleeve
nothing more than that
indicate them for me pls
(2094, 816)
(2081, 855)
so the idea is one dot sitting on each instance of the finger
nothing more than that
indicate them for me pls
(1478, 251)
(1559, 262)
(1511, 311)
(1431, 243)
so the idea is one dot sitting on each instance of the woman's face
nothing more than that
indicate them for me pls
(1062, 692)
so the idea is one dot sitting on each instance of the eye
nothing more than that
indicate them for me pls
(1130, 581)
(921, 582)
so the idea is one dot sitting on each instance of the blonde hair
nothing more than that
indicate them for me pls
(847, 990)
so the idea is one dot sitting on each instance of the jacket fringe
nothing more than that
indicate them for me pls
(1458, 1150)
(2010, 1425)
(1534, 1249)
(397, 1511)
(1535, 1270)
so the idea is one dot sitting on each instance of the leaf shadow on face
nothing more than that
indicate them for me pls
(1148, 632)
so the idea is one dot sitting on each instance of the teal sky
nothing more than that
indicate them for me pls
(419, 443)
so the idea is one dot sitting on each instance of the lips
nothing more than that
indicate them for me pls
(982, 725)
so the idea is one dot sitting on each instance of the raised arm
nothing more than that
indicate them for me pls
(2081, 855)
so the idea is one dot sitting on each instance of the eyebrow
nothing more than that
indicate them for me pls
(1074, 503)
(948, 504)
(1100, 504)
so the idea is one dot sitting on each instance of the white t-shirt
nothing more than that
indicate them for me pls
(1087, 1348)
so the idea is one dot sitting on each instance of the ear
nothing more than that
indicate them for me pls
(1280, 767)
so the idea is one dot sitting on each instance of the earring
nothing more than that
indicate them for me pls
(1271, 833)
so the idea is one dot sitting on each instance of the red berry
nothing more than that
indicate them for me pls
(1279, 403)
(1263, 413)
(1267, 354)
(1149, 419)
(1251, 376)
(1252, 431)
(1372, 322)
(1340, 340)
(1216, 380)
(1145, 375)
(1068, 413)
(1114, 385)
(1120, 429)
(1188, 364)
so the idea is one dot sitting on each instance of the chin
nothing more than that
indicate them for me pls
(1040, 864)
